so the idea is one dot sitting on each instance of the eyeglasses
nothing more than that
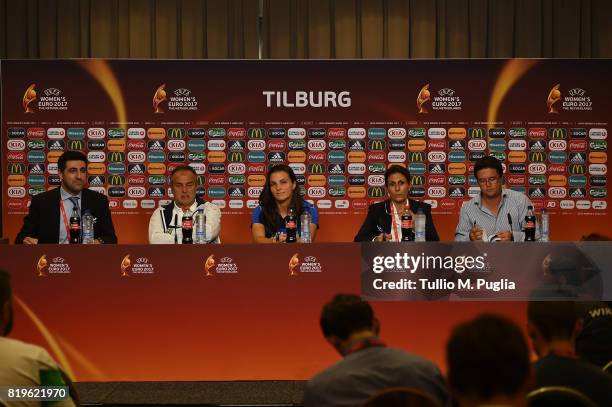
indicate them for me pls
(490, 180)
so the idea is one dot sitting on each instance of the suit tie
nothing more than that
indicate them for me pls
(75, 203)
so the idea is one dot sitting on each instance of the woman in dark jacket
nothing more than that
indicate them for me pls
(383, 222)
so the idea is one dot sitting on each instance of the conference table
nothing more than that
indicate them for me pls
(125, 313)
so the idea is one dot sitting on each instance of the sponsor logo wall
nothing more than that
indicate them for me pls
(556, 154)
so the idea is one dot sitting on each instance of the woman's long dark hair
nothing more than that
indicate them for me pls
(271, 218)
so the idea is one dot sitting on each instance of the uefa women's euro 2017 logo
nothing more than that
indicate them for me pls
(178, 100)
(140, 265)
(309, 264)
(46, 267)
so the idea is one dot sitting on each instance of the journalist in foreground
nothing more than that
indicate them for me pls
(281, 212)
(55, 213)
(385, 220)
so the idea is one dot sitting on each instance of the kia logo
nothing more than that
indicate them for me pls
(557, 192)
(436, 192)
(96, 133)
(557, 145)
(16, 192)
(316, 192)
(176, 145)
(537, 168)
(436, 156)
(396, 133)
(136, 156)
(256, 145)
(477, 145)
(316, 145)
(236, 168)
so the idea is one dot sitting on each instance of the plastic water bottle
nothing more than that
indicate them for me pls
(545, 226)
(200, 227)
(88, 228)
(419, 226)
(305, 227)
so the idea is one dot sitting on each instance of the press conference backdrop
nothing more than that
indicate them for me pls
(338, 124)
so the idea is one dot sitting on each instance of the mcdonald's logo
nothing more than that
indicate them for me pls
(417, 180)
(217, 156)
(234, 156)
(316, 168)
(376, 145)
(116, 145)
(416, 156)
(374, 192)
(537, 156)
(96, 168)
(76, 145)
(156, 133)
(116, 156)
(477, 132)
(176, 133)
(16, 168)
(575, 169)
(116, 180)
(256, 133)
(557, 133)
(598, 157)
(356, 192)
(316, 180)
(53, 156)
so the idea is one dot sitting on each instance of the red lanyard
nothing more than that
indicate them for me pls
(65, 217)
(395, 232)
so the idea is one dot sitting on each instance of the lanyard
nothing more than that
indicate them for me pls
(395, 230)
(65, 217)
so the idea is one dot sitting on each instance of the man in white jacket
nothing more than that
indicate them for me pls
(165, 222)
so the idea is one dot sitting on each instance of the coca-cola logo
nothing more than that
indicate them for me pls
(236, 133)
(336, 133)
(436, 144)
(448, 204)
(276, 145)
(256, 169)
(537, 133)
(376, 156)
(436, 180)
(316, 156)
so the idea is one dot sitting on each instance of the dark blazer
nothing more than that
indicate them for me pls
(379, 217)
(43, 220)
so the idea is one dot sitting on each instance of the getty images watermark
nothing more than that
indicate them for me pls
(485, 271)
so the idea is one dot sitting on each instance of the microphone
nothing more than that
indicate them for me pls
(176, 223)
(510, 223)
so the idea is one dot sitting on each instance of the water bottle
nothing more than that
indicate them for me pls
(545, 226)
(75, 227)
(419, 226)
(291, 226)
(88, 228)
(200, 227)
(305, 227)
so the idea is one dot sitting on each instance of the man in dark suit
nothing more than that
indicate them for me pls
(48, 218)
(383, 222)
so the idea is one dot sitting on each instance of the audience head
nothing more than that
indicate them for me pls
(551, 322)
(345, 318)
(488, 362)
(6, 306)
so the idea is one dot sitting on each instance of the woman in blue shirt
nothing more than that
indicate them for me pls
(280, 193)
